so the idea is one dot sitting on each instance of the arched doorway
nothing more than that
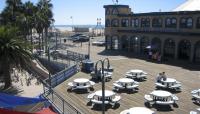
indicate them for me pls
(115, 42)
(144, 42)
(156, 45)
(108, 42)
(169, 48)
(197, 52)
(184, 49)
(124, 43)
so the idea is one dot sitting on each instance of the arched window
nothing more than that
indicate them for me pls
(107, 12)
(184, 49)
(132, 22)
(157, 22)
(183, 22)
(173, 21)
(198, 23)
(197, 52)
(170, 22)
(115, 42)
(125, 23)
(115, 23)
(107, 23)
(135, 23)
(145, 22)
(186, 23)
(189, 23)
(115, 11)
(169, 48)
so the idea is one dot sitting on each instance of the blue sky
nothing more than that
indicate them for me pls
(87, 11)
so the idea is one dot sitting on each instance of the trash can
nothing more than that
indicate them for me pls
(87, 66)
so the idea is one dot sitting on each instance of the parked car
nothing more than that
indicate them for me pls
(99, 43)
(81, 38)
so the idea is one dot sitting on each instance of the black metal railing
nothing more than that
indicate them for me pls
(70, 55)
(62, 76)
(60, 104)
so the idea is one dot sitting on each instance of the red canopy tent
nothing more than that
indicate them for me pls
(43, 111)
(46, 111)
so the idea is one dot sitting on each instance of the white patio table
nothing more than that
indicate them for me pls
(136, 73)
(126, 80)
(160, 93)
(138, 110)
(108, 93)
(81, 83)
(171, 83)
(163, 97)
(125, 83)
(81, 80)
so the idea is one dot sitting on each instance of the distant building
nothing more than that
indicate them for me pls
(176, 34)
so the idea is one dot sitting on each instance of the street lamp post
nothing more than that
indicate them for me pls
(49, 71)
(102, 80)
(136, 45)
(89, 48)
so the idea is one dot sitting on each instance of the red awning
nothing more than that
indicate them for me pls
(46, 111)
(43, 111)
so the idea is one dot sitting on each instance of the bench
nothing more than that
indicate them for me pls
(148, 98)
(90, 96)
(132, 86)
(196, 98)
(193, 112)
(175, 98)
(165, 102)
(71, 85)
(129, 75)
(176, 87)
(92, 83)
(117, 86)
(160, 85)
(115, 100)
(141, 76)
(82, 87)
(99, 102)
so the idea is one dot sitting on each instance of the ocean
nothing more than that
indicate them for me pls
(69, 27)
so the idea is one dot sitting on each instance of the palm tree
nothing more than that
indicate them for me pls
(45, 8)
(29, 12)
(14, 53)
(12, 10)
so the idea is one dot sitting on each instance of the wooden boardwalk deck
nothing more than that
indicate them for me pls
(188, 78)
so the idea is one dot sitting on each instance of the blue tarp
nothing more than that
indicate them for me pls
(10, 101)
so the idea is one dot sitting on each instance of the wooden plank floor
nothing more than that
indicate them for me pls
(189, 79)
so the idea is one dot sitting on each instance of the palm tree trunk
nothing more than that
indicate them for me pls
(7, 76)
(42, 40)
(39, 42)
(31, 40)
(46, 38)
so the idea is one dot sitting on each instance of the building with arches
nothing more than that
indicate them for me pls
(175, 34)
